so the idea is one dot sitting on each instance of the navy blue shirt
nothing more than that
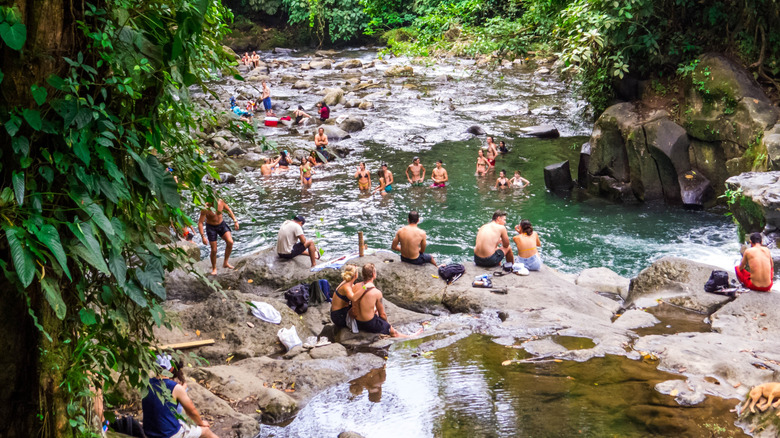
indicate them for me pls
(159, 418)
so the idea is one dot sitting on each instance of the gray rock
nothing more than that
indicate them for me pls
(750, 316)
(542, 131)
(293, 352)
(763, 188)
(582, 166)
(226, 178)
(366, 105)
(353, 103)
(334, 133)
(684, 394)
(328, 351)
(668, 144)
(236, 151)
(333, 96)
(305, 66)
(301, 85)
(695, 189)
(603, 280)
(348, 64)
(543, 347)
(557, 177)
(350, 435)
(709, 159)
(633, 319)
(443, 79)
(352, 124)
(321, 65)
(190, 248)
(677, 281)
(326, 53)
(771, 141)
(399, 70)
(476, 130)
(282, 51)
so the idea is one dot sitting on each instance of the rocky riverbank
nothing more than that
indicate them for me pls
(251, 379)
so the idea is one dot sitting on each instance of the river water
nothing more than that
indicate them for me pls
(576, 232)
(462, 390)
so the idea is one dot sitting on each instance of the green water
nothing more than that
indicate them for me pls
(576, 232)
(464, 391)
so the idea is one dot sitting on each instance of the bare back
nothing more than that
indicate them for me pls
(759, 260)
(488, 238)
(368, 304)
(526, 245)
(411, 239)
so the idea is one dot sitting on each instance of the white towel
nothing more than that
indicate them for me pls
(352, 323)
(266, 312)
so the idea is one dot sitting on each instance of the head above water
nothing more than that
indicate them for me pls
(300, 107)
(363, 165)
(414, 217)
(481, 153)
(517, 173)
(501, 143)
(756, 238)
(369, 272)
(498, 214)
(439, 163)
(384, 166)
(526, 226)
(490, 139)
(503, 173)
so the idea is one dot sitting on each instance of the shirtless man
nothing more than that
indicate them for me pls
(410, 242)
(371, 316)
(756, 270)
(364, 178)
(439, 175)
(388, 178)
(216, 227)
(267, 167)
(266, 96)
(418, 172)
(487, 252)
(492, 152)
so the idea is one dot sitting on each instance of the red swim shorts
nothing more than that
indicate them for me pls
(743, 276)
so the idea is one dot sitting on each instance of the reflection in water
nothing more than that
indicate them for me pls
(463, 391)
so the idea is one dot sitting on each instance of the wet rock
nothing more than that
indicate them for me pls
(633, 319)
(611, 189)
(476, 130)
(668, 145)
(541, 131)
(328, 351)
(399, 70)
(352, 124)
(225, 178)
(709, 159)
(353, 81)
(326, 53)
(603, 280)
(236, 151)
(353, 103)
(321, 65)
(543, 347)
(763, 188)
(695, 189)
(282, 51)
(348, 64)
(305, 66)
(443, 79)
(582, 166)
(771, 142)
(557, 177)
(543, 71)
(333, 96)
(366, 105)
(350, 435)
(334, 133)
(751, 316)
(301, 85)
(676, 281)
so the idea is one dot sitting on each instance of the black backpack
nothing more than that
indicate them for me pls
(719, 280)
(451, 272)
(129, 426)
(298, 298)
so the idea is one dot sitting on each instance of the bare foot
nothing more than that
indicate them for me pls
(227, 265)
(213, 271)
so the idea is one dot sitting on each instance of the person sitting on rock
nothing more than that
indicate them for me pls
(370, 313)
(344, 295)
(756, 271)
(323, 110)
(410, 242)
(159, 411)
(291, 242)
(255, 60)
(487, 252)
(217, 228)
(300, 114)
(527, 242)
(246, 60)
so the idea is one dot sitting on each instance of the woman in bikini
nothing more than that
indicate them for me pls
(527, 243)
(518, 181)
(306, 173)
(482, 163)
(346, 293)
(284, 163)
(382, 185)
(364, 178)
(502, 182)
(300, 114)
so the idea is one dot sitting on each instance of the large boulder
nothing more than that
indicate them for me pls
(603, 280)
(695, 189)
(709, 159)
(668, 145)
(677, 281)
(301, 85)
(541, 131)
(750, 316)
(350, 63)
(399, 70)
(582, 166)
(333, 96)
(475, 130)
(334, 133)
(759, 202)
(352, 124)
(324, 64)
(557, 177)
(771, 143)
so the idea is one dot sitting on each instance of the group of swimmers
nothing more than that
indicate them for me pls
(486, 161)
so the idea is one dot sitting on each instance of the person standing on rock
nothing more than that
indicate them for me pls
(439, 175)
(492, 152)
(370, 313)
(266, 96)
(527, 242)
(418, 172)
(320, 143)
(363, 177)
(291, 242)
(323, 110)
(217, 228)
(300, 114)
(493, 242)
(756, 271)
(160, 411)
(410, 241)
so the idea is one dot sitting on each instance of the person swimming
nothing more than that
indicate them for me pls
(482, 163)
(502, 147)
(518, 181)
(502, 182)
(284, 163)
(306, 172)
(364, 178)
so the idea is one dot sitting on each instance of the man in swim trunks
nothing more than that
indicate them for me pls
(364, 178)
(371, 316)
(492, 152)
(756, 271)
(439, 175)
(418, 172)
(215, 228)
(388, 178)
(487, 252)
(266, 96)
(410, 242)
(291, 242)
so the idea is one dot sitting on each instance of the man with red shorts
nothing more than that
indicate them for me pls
(756, 270)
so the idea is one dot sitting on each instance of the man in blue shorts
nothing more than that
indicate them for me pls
(410, 242)
(266, 96)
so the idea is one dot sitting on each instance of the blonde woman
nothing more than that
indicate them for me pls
(344, 296)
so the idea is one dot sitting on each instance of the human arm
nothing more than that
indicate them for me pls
(422, 174)
(180, 395)
(380, 309)
(230, 212)
(524, 181)
(201, 221)
(423, 243)
(408, 178)
(538, 242)
(504, 238)
(396, 245)
(446, 177)
(744, 263)
(496, 186)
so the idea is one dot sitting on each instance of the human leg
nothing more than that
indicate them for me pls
(228, 238)
(312, 250)
(508, 254)
(213, 257)
(533, 263)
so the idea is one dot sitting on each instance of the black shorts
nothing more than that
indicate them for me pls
(489, 262)
(420, 260)
(376, 325)
(297, 250)
(214, 232)
(339, 317)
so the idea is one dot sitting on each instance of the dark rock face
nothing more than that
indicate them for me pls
(582, 167)
(695, 189)
(236, 151)
(557, 177)
(476, 130)
(763, 189)
(542, 131)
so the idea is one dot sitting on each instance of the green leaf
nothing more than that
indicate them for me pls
(88, 316)
(33, 117)
(151, 280)
(52, 292)
(95, 211)
(89, 250)
(47, 173)
(49, 236)
(12, 125)
(57, 82)
(23, 260)
(39, 94)
(117, 265)
(135, 294)
(81, 149)
(17, 179)
(1, 76)
(91, 257)
(170, 190)
(6, 196)
(13, 35)
(21, 146)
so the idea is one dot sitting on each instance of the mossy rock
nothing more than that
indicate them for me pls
(400, 35)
